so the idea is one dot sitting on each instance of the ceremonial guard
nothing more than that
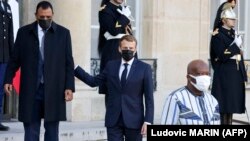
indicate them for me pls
(115, 22)
(229, 77)
(217, 21)
(6, 44)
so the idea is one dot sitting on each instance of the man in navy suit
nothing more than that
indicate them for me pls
(128, 80)
(43, 51)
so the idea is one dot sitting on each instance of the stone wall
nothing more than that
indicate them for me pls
(173, 31)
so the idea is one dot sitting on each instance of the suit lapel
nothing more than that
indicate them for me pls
(34, 31)
(132, 70)
(116, 71)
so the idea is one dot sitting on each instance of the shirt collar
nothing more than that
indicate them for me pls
(52, 26)
(199, 96)
(130, 62)
(39, 27)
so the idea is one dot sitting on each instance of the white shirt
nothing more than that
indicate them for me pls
(40, 35)
(184, 108)
(122, 67)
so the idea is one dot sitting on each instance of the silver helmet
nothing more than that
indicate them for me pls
(228, 13)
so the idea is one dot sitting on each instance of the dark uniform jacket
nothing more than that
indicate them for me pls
(114, 23)
(58, 70)
(6, 32)
(229, 74)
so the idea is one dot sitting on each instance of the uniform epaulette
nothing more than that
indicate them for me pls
(102, 7)
(216, 31)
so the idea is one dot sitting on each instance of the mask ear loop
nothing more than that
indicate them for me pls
(192, 76)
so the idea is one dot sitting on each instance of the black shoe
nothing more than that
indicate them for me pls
(3, 128)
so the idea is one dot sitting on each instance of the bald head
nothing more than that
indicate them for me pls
(198, 67)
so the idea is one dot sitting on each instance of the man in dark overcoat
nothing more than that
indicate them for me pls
(43, 52)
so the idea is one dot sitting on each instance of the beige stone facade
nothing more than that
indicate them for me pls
(173, 31)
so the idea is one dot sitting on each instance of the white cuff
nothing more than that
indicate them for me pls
(76, 67)
(147, 123)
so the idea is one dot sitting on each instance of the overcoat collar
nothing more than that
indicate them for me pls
(33, 27)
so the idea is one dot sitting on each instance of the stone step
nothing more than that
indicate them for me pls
(68, 131)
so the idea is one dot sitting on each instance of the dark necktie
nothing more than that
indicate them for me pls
(42, 45)
(42, 54)
(124, 75)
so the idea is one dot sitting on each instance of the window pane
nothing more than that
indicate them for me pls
(95, 6)
(132, 4)
(214, 7)
(242, 14)
(94, 42)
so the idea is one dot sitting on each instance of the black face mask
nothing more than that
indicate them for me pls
(127, 54)
(45, 24)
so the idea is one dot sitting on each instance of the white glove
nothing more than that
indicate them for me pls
(125, 11)
(238, 40)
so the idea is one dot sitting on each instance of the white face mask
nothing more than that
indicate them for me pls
(202, 82)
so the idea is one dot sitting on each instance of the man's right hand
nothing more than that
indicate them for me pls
(8, 89)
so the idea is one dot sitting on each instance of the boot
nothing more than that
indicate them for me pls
(229, 119)
(3, 128)
(223, 119)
